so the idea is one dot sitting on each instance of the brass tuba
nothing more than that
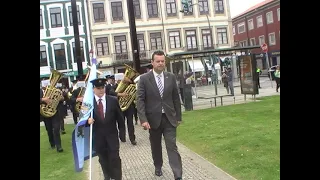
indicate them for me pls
(130, 89)
(54, 94)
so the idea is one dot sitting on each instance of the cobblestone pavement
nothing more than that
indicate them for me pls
(137, 162)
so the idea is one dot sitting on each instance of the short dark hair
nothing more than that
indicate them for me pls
(158, 53)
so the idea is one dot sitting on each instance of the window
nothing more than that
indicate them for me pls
(261, 40)
(156, 41)
(191, 40)
(190, 9)
(234, 30)
(252, 41)
(218, 6)
(43, 56)
(278, 14)
(269, 16)
(137, 10)
(102, 46)
(152, 6)
(60, 56)
(120, 44)
(243, 43)
(203, 7)
(171, 7)
(81, 51)
(206, 38)
(174, 38)
(222, 36)
(250, 24)
(55, 15)
(241, 28)
(71, 18)
(41, 20)
(140, 38)
(98, 12)
(272, 39)
(259, 21)
(117, 14)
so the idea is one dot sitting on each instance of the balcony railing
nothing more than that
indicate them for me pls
(200, 48)
(144, 55)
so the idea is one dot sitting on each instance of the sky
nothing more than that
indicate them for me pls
(239, 6)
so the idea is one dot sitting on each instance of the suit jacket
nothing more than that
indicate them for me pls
(150, 103)
(105, 131)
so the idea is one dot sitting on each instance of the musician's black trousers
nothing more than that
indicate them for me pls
(52, 125)
(128, 114)
(111, 164)
(75, 117)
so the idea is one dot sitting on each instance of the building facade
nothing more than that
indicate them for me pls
(57, 49)
(160, 26)
(260, 24)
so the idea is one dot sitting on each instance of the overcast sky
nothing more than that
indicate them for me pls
(239, 6)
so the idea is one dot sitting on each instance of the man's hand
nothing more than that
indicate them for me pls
(79, 99)
(46, 100)
(90, 121)
(122, 94)
(146, 126)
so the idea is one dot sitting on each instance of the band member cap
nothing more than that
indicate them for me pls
(99, 82)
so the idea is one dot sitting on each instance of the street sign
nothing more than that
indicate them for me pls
(264, 47)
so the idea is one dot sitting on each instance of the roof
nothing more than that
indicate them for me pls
(254, 7)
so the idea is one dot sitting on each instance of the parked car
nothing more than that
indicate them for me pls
(271, 71)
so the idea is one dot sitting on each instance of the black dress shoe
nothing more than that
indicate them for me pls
(134, 142)
(158, 172)
(60, 149)
(178, 178)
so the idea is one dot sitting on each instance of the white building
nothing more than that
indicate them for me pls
(160, 25)
(57, 38)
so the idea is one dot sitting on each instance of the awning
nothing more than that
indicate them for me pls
(196, 65)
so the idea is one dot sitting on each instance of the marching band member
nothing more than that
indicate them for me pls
(52, 124)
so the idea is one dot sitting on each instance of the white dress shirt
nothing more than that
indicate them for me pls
(103, 100)
(162, 81)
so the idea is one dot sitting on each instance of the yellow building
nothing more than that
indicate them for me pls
(160, 25)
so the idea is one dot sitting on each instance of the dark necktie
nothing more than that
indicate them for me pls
(100, 109)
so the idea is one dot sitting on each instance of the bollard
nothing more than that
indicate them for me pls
(211, 102)
(234, 99)
(215, 102)
(221, 101)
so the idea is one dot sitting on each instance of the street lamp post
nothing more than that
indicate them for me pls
(77, 53)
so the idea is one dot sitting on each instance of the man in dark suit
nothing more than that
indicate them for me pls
(106, 116)
(159, 110)
(72, 103)
(52, 125)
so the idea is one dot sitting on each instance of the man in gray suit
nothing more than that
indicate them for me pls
(159, 110)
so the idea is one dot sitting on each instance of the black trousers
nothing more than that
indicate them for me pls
(135, 113)
(169, 132)
(52, 125)
(128, 114)
(278, 83)
(110, 164)
(75, 117)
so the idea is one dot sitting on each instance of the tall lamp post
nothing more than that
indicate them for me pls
(77, 54)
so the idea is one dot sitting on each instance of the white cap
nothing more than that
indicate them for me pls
(118, 76)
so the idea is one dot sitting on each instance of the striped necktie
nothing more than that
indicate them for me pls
(160, 85)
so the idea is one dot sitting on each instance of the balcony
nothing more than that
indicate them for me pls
(119, 58)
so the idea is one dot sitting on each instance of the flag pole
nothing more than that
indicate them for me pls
(90, 152)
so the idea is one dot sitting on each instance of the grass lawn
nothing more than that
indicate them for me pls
(54, 165)
(242, 139)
